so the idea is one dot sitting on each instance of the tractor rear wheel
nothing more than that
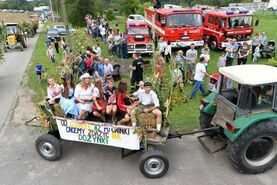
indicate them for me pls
(255, 151)
(23, 40)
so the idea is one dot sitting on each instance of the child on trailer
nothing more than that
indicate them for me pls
(148, 102)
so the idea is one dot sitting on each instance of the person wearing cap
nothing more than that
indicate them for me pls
(148, 103)
(69, 107)
(84, 96)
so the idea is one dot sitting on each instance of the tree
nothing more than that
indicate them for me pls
(129, 7)
(78, 9)
(110, 15)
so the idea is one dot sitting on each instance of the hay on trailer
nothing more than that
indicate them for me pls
(147, 120)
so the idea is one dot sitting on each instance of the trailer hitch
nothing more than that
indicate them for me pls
(173, 135)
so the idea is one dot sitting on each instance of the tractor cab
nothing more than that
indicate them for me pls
(252, 93)
(246, 114)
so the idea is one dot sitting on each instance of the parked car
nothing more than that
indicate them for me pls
(62, 29)
(53, 33)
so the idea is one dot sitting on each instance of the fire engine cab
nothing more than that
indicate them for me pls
(221, 25)
(180, 26)
(139, 39)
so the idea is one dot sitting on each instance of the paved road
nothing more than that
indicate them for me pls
(11, 73)
(91, 164)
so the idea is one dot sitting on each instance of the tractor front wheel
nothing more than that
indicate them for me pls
(23, 41)
(255, 151)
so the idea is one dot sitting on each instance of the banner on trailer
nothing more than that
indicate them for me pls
(98, 133)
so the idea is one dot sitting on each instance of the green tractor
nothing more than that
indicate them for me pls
(14, 37)
(246, 115)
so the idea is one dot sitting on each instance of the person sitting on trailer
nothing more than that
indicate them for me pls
(148, 102)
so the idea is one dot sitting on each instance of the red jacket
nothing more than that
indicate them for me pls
(120, 102)
(88, 62)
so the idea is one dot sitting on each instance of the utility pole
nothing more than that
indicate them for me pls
(51, 7)
(66, 23)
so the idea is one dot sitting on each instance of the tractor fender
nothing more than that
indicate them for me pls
(210, 106)
(244, 122)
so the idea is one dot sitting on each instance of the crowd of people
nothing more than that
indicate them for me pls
(115, 41)
(189, 71)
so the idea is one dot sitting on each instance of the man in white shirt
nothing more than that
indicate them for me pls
(148, 103)
(108, 67)
(117, 39)
(200, 73)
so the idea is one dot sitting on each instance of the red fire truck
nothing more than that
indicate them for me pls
(139, 39)
(180, 26)
(222, 25)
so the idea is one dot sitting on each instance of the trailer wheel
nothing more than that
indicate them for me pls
(213, 44)
(255, 151)
(49, 147)
(153, 164)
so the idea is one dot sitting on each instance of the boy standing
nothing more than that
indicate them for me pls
(200, 73)
(191, 56)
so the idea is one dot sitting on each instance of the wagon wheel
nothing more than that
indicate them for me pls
(153, 164)
(49, 147)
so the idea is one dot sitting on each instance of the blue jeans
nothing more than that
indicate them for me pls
(104, 39)
(52, 59)
(117, 50)
(124, 51)
(198, 85)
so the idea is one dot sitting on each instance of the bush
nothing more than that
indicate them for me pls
(110, 15)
